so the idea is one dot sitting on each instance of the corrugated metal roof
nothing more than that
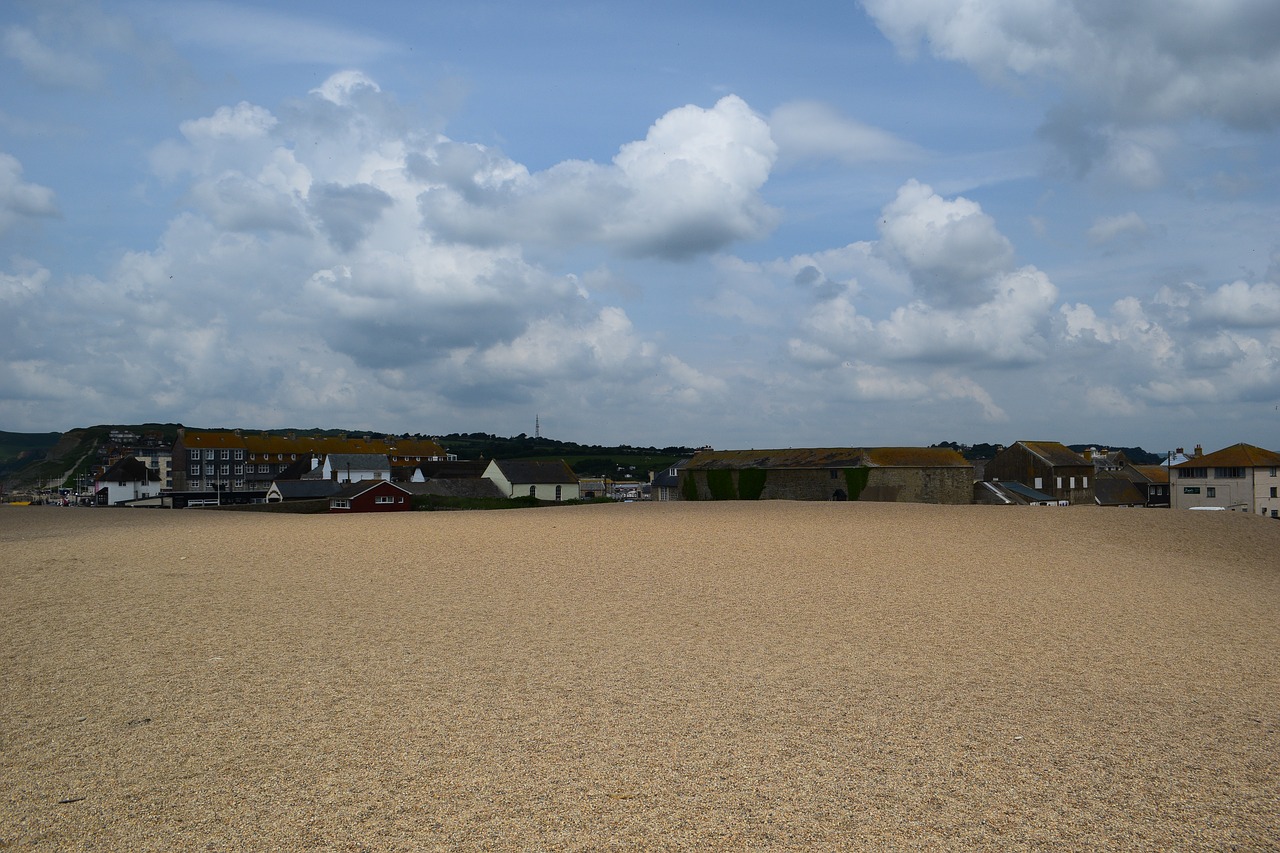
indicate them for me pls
(1235, 456)
(830, 457)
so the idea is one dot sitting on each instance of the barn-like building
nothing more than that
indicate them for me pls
(937, 475)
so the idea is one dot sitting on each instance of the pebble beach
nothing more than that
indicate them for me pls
(684, 676)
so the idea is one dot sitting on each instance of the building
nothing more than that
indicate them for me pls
(129, 479)
(665, 484)
(1046, 466)
(251, 461)
(352, 468)
(546, 481)
(370, 496)
(300, 490)
(907, 474)
(1240, 477)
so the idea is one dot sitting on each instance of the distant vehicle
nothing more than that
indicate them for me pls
(1210, 508)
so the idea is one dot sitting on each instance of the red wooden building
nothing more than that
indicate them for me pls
(370, 496)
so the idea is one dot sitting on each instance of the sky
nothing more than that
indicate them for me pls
(894, 222)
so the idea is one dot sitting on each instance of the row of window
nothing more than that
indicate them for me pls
(1218, 473)
(1072, 482)
(210, 470)
(1211, 492)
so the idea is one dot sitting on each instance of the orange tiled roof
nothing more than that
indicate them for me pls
(1235, 456)
(266, 443)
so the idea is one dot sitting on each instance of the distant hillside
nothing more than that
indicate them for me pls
(19, 449)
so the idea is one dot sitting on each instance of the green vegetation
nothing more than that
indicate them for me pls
(751, 483)
(586, 460)
(856, 480)
(720, 484)
(690, 486)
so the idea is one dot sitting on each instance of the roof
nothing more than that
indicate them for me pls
(298, 489)
(457, 487)
(1055, 453)
(1025, 492)
(1116, 490)
(670, 476)
(1235, 456)
(1153, 473)
(358, 488)
(830, 457)
(536, 471)
(452, 469)
(361, 461)
(129, 469)
(261, 443)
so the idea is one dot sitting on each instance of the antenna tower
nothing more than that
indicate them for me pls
(537, 426)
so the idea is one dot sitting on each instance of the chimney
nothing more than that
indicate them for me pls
(1180, 452)
(1199, 450)
(1088, 454)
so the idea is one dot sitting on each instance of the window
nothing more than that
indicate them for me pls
(239, 469)
(384, 499)
(558, 492)
(239, 455)
(835, 474)
(239, 484)
(1085, 483)
(533, 491)
(1073, 482)
(340, 503)
(1273, 492)
(1039, 482)
(1059, 479)
(1228, 473)
(226, 469)
(194, 472)
(208, 470)
(1210, 492)
(226, 454)
(195, 457)
(1193, 473)
(208, 454)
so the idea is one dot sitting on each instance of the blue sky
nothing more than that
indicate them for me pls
(894, 222)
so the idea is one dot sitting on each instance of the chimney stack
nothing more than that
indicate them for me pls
(1199, 450)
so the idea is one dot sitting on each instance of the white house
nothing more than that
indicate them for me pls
(1241, 477)
(129, 479)
(352, 468)
(546, 481)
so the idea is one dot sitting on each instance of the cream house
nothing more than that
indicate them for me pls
(1241, 477)
(546, 481)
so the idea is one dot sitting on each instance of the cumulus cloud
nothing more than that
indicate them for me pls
(21, 200)
(1122, 68)
(302, 271)
(951, 249)
(691, 186)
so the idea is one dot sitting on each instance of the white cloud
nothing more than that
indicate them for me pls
(689, 187)
(48, 66)
(951, 249)
(813, 131)
(267, 36)
(21, 200)
(1107, 229)
(1123, 69)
